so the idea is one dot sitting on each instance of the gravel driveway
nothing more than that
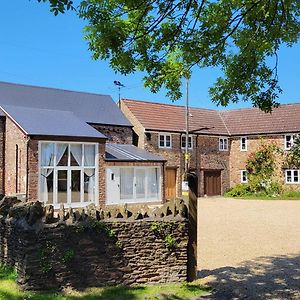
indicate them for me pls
(249, 249)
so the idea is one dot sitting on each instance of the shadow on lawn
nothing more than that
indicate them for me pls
(275, 277)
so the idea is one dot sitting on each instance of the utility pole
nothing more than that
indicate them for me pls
(185, 186)
(186, 152)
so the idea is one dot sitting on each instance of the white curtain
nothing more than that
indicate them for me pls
(140, 183)
(60, 150)
(153, 183)
(89, 160)
(76, 151)
(126, 183)
(47, 157)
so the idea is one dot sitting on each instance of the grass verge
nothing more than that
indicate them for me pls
(9, 291)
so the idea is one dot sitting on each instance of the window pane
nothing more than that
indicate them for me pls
(183, 141)
(47, 185)
(62, 154)
(126, 183)
(221, 145)
(89, 185)
(76, 154)
(168, 141)
(190, 142)
(161, 141)
(75, 185)
(296, 178)
(62, 186)
(289, 176)
(47, 154)
(140, 183)
(153, 184)
(89, 155)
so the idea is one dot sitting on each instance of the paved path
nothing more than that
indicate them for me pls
(249, 249)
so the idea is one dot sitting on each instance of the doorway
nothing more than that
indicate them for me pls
(170, 183)
(212, 183)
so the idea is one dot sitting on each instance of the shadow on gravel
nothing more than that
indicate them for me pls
(273, 277)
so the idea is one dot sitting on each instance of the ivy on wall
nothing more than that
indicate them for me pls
(293, 156)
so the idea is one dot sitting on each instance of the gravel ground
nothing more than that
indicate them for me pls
(249, 249)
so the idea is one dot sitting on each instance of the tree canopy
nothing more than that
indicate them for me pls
(167, 38)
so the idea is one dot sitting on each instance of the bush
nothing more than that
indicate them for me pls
(239, 190)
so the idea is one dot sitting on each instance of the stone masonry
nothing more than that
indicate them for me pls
(86, 248)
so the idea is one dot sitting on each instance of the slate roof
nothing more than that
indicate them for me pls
(167, 117)
(91, 108)
(45, 122)
(126, 152)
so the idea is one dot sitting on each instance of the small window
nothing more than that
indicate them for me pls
(289, 140)
(183, 139)
(223, 144)
(292, 176)
(164, 141)
(243, 141)
(244, 176)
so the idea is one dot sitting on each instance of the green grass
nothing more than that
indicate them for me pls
(290, 195)
(9, 291)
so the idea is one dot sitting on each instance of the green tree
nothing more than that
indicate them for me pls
(167, 38)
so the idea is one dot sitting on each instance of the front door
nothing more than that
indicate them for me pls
(212, 183)
(170, 183)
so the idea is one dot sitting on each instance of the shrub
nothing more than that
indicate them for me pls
(239, 190)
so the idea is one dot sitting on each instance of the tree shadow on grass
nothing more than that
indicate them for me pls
(273, 277)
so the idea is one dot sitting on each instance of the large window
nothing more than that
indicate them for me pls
(289, 140)
(132, 184)
(68, 173)
(292, 176)
(164, 141)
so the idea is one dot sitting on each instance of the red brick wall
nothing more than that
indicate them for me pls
(238, 158)
(2, 153)
(15, 172)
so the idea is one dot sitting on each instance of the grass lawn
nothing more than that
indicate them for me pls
(9, 291)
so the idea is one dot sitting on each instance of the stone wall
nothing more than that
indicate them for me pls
(115, 134)
(210, 158)
(174, 155)
(90, 247)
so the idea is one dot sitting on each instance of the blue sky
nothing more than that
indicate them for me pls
(38, 48)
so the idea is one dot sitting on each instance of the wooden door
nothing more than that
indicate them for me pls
(212, 183)
(170, 183)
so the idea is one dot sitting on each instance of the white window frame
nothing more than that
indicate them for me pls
(293, 136)
(222, 144)
(164, 135)
(243, 143)
(69, 169)
(293, 174)
(244, 174)
(190, 142)
(134, 198)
